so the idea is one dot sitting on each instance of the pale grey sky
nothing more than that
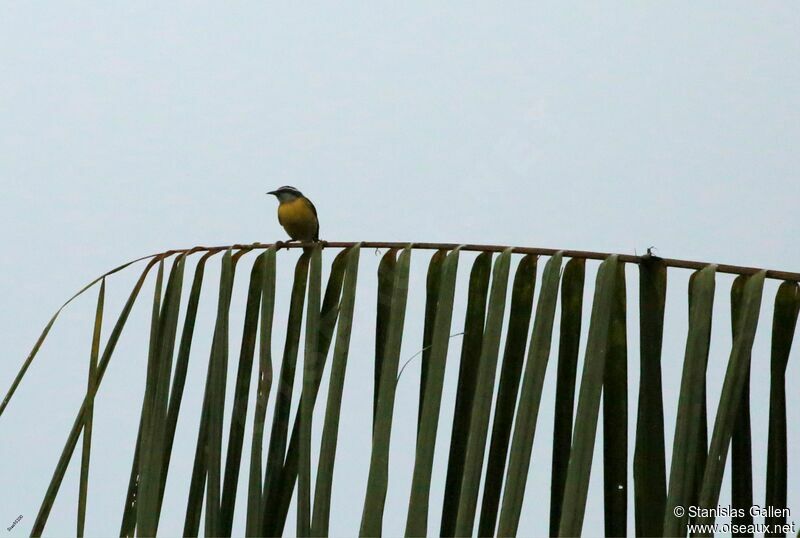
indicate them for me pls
(130, 129)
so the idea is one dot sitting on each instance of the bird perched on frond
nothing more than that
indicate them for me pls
(297, 214)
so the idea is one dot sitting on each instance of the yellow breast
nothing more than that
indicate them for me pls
(298, 219)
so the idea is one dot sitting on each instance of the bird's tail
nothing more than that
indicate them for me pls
(307, 250)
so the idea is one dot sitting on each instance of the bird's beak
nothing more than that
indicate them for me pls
(272, 192)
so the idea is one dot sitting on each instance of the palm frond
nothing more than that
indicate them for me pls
(515, 393)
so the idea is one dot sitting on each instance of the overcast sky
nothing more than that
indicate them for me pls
(127, 130)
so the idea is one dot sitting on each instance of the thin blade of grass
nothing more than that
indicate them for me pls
(283, 402)
(327, 324)
(310, 363)
(377, 482)
(432, 287)
(218, 368)
(784, 322)
(386, 275)
(142, 435)
(241, 394)
(255, 489)
(327, 456)
(481, 407)
(143, 438)
(197, 485)
(615, 415)
(688, 440)
(143, 453)
(128, 525)
(741, 455)
(149, 493)
(568, 348)
(439, 339)
(580, 460)
(87, 429)
(649, 467)
(43, 335)
(77, 426)
(529, 400)
(701, 446)
(181, 368)
(329, 313)
(467, 376)
(129, 515)
(510, 375)
(732, 389)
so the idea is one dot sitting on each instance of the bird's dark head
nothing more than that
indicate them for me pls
(286, 193)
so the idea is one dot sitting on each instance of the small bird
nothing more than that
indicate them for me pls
(297, 214)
